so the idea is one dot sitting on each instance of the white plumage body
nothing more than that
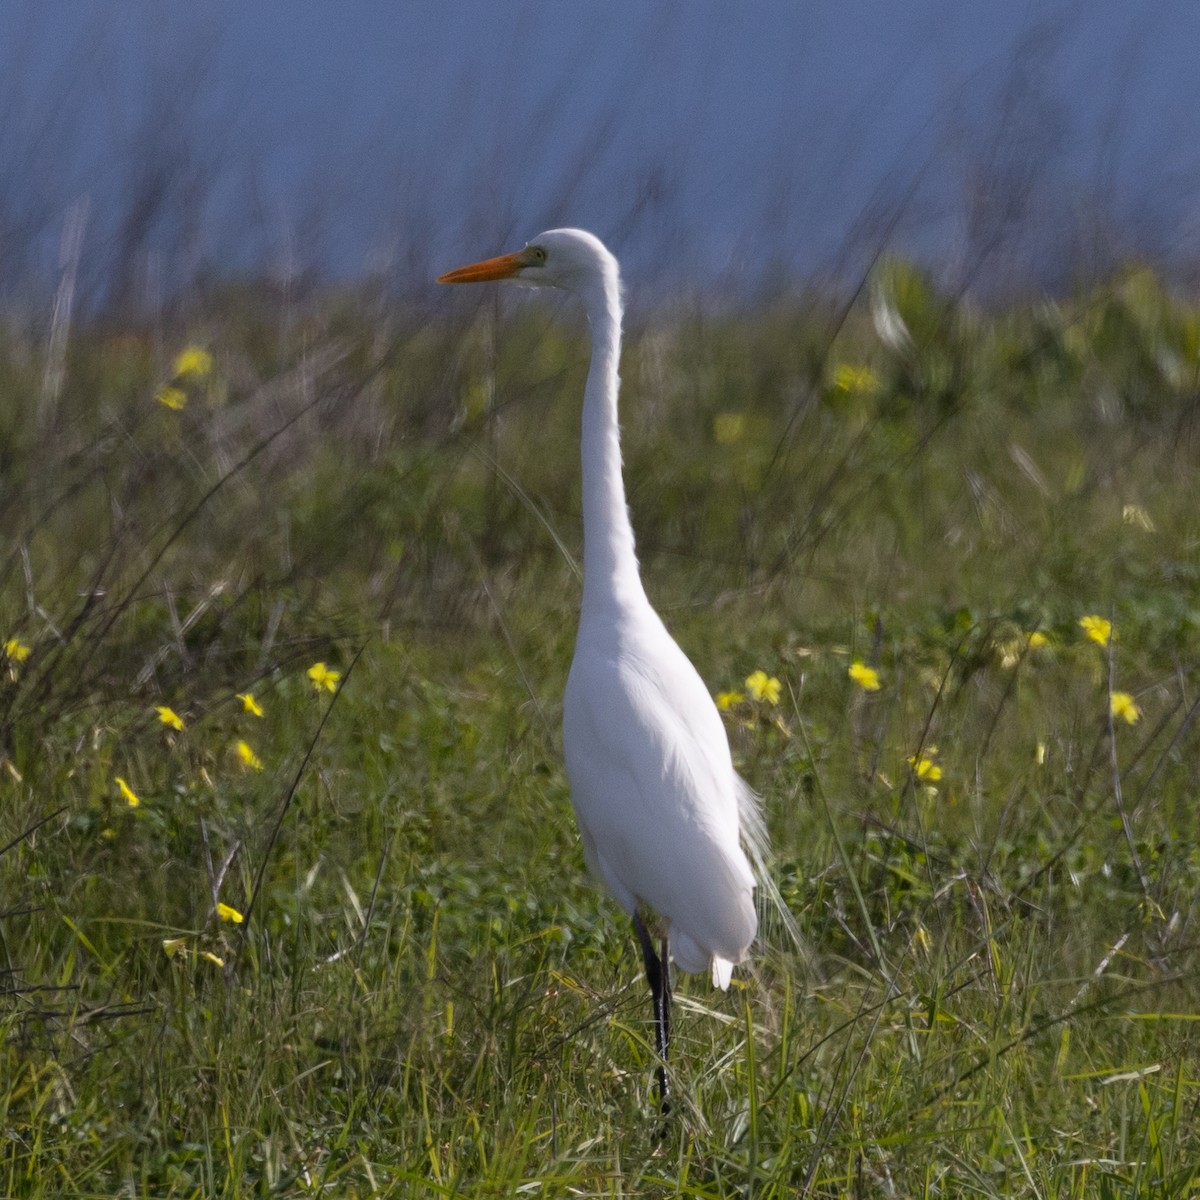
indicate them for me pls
(654, 789)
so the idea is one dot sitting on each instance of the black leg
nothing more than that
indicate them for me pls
(666, 998)
(658, 975)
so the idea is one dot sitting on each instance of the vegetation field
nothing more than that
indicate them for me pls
(291, 897)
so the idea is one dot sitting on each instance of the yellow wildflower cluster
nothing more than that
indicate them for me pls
(1098, 629)
(176, 946)
(247, 756)
(172, 397)
(193, 365)
(763, 687)
(179, 945)
(127, 793)
(1124, 708)
(866, 677)
(242, 748)
(323, 677)
(193, 362)
(169, 717)
(16, 651)
(924, 766)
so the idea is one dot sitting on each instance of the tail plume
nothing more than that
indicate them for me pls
(754, 837)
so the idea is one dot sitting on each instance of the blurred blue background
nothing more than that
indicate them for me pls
(745, 146)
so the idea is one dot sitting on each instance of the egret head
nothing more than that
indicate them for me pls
(564, 258)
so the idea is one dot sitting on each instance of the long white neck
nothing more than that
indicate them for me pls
(610, 570)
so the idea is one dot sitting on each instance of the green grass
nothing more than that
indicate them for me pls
(996, 996)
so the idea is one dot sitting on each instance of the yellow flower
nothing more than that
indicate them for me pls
(173, 398)
(228, 913)
(323, 677)
(248, 757)
(193, 362)
(172, 946)
(1099, 629)
(1124, 706)
(212, 958)
(729, 427)
(169, 717)
(855, 380)
(762, 686)
(249, 704)
(16, 651)
(1036, 640)
(924, 767)
(726, 700)
(127, 793)
(867, 678)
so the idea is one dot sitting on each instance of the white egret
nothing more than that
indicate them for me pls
(662, 813)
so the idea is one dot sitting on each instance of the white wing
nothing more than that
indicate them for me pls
(654, 788)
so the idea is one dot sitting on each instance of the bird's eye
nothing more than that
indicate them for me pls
(539, 255)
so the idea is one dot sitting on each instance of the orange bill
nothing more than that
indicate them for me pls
(503, 267)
